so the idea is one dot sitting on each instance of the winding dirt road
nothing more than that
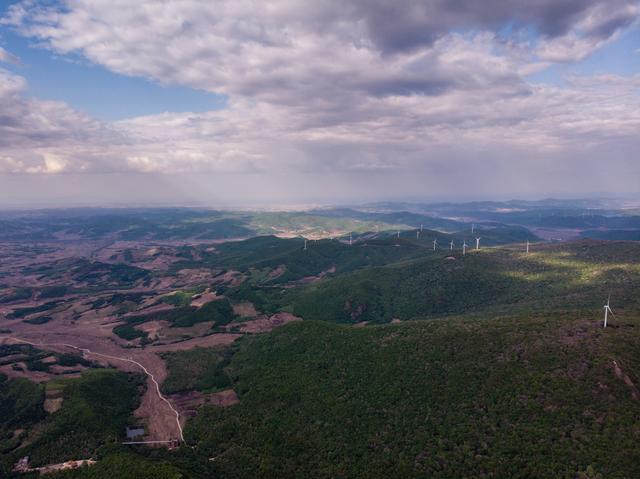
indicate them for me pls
(87, 351)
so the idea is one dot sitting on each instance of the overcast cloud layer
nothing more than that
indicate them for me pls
(434, 90)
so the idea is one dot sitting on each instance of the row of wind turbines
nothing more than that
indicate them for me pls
(451, 244)
(465, 246)
(607, 306)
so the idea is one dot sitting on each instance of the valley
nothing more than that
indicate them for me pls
(443, 362)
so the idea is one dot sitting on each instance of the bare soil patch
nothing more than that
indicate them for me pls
(52, 405)
(232, 277)
(313, 279)
(245, 309)
(276, 273)
(189, 402)
(635, 393)
(200, 300)
(195, 276)
(35, 376)
(264, 324)
(67, 371)
(153, 328)
(157, 308)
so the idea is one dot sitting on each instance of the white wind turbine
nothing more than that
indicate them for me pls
(527, 246)
(478, 243)
(305, 245)
(451, 246)
(435, 244)
(350, 239)
(417, 234)
(473, 228)
(464, 247)
(607, 310)
(421, 226)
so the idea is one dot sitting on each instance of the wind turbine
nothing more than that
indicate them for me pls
(398, 234)
(473, 228)
(421, 226)
(305, 245)
(350, 239)
(478, 243)
(607, 310)
(527, 246)
(451, 246)
(417, 234)
(464, 247)
(435, 244)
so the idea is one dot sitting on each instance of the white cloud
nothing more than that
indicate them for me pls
(7, 57)
(601, 25)
(326, 86)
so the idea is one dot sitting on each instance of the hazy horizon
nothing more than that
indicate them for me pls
(593, 201)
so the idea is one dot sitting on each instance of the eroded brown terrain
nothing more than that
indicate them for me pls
(68, 296)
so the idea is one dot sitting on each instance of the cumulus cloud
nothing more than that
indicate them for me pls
(601, 25)
(432, 87)
(39, 136)
(278, 50)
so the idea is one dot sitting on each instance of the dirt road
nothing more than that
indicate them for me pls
(155, 404)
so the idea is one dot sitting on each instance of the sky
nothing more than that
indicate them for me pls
(331, 101)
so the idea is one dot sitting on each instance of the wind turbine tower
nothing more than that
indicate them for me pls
(435, 244)
(478, 243)
(473, 228)
(607, 310)
(464, 247)
(421, 226)
(305, 245)
(451, 246)
(350, 239)
(417, 234)
(527, 246)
